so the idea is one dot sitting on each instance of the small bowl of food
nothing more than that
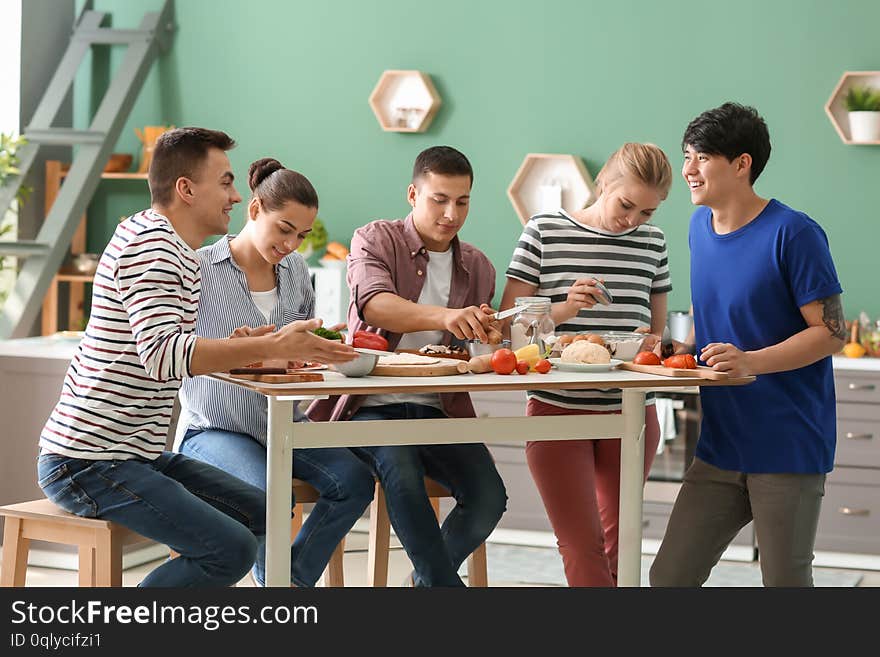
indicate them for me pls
(360, 366)
(118, 163)
(623, 344)
(85, 263)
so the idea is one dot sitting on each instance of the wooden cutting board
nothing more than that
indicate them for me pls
(446, 367)
(300, 377)
(702, 371)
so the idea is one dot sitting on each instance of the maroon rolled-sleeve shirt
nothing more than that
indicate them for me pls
(389, 256)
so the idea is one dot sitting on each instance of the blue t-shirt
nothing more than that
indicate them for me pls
(747, 288)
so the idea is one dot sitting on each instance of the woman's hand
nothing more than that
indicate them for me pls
(248, 332)
(582, 294)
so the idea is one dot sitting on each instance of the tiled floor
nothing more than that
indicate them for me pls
(355, 569)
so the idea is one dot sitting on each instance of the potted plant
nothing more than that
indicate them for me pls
(863, 104)
(314, 242)
(9, 146)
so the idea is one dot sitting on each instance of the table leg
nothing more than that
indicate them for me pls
(632, 466)
(279, 469)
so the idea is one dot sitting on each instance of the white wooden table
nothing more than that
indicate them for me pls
(283, 433)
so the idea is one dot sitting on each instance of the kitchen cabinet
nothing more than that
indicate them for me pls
(850, 517)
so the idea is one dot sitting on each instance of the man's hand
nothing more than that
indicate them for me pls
(651, 342)
(724, 357)
(493, 333)
(471, 323)
(296, 342)
(248, 332)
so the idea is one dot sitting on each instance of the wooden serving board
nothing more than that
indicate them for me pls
(446, 367)
(297, 377)
(702, 371)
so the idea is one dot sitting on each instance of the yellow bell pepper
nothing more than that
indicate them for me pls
(529, 354)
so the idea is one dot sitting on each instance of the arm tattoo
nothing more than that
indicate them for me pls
(832, 316)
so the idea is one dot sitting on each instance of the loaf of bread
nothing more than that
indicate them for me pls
(585, 352)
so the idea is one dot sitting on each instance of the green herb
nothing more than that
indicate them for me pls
(863, 99)
(327, 334)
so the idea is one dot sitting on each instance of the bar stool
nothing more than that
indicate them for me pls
(380, 539)
(100, 542)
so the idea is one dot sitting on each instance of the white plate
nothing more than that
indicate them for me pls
(584, 367)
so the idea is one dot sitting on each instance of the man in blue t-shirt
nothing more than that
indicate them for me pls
(766, 302)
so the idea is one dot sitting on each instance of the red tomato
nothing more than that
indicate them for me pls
(543, 366)
(681, 362)
(503, 361)
(646, 358)
(522, 367)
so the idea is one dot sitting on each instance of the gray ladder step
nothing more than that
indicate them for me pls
(24, 248)
(63, 136)
(106, 35)
(41, 259)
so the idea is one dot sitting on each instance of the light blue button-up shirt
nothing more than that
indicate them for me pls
(226, 304)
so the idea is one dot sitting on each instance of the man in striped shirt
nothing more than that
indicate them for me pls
(103, 447)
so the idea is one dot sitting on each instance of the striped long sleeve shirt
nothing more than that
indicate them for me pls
(118, 395)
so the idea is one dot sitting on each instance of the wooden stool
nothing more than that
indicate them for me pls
(380, 540)
(303, 493)
(100, 542)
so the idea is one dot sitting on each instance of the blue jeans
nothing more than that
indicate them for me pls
(468, 471)
(214, 521)
(346, 486)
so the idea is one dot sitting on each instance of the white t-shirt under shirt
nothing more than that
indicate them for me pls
(554, 251)
(435, 292)
(265, 301)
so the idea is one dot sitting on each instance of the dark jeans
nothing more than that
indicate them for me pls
(345, 483)
(468, 471)
(214, 521)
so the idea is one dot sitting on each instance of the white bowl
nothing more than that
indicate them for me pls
(623, 345)
(360, 366)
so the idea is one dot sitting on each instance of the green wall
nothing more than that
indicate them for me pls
(291, 80)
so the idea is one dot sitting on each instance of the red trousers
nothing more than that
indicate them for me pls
(579, 483)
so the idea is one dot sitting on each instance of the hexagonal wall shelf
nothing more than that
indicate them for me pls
(836, 109)
(547, 182)
(404, 101)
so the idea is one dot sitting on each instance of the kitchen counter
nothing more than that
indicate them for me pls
(42, 347)
(856, 364)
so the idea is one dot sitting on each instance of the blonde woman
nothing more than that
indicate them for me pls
(561, 255)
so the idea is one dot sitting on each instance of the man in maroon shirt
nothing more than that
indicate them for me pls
(414, 282)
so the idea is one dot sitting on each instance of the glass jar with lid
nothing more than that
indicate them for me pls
(533, 325)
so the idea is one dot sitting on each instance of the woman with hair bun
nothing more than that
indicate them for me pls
(256, 278)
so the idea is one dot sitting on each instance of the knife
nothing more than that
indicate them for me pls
(667, 348)
(504, 314)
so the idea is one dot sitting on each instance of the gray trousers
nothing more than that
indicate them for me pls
(714, 504)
